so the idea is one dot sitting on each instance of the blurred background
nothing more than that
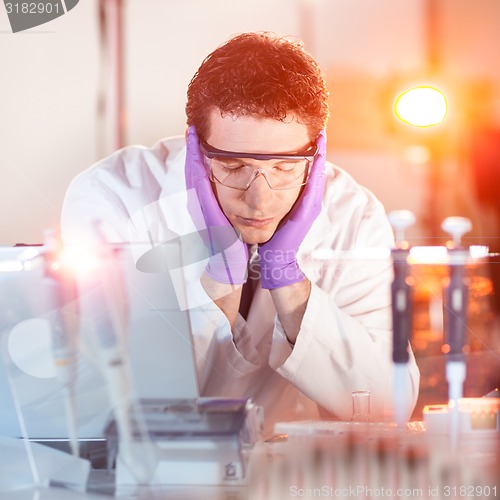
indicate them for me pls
(111, 73)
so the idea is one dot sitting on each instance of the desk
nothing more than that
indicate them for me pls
(101, 487)
(363, 464)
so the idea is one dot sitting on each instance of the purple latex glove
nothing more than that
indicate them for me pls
(278, 256)
(229, 255)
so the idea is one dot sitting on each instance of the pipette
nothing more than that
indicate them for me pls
(110, 312)
(455, 318)
(401, 292)
(61, 297)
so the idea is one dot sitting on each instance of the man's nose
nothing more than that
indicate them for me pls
(259, 172)
(258, 191)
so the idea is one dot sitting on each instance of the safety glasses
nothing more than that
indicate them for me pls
(228, 168)
(211, 152)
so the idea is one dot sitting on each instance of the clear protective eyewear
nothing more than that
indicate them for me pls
(229, 168)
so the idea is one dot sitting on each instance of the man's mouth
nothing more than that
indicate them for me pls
(255, 222)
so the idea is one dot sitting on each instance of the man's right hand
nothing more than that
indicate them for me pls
(229, 255)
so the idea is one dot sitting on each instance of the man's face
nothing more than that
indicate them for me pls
(256, 212)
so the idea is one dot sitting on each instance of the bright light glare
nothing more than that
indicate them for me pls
(428, 255)
(79, 259)
(421, 106)
(479, 251)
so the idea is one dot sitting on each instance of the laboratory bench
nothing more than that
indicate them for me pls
(327, 459)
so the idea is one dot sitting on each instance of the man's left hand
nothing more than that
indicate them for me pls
(278, 256)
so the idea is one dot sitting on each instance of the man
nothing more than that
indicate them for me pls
(251, 176)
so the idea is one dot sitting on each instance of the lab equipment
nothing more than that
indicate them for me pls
(205, 441)
(371, 460)
(160, 341)
(61, 299)
(361, 406)
(402, 314)
(455, 318)
(109, 316)
(27, 465)
(477, 418)
(430, 272)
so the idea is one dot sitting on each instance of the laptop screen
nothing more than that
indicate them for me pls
(158, 342)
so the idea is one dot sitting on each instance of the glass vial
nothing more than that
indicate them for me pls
(361, 406)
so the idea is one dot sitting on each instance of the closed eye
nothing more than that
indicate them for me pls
(289, 166)
(229, 164)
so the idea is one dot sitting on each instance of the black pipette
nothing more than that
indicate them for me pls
(455, 317)
(402, 300)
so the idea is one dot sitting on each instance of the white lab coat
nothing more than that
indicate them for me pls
(344, 343)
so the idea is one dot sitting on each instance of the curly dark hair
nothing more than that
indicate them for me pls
(258, 74)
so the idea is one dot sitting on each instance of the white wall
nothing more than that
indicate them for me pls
(49, 79)
(47, 107)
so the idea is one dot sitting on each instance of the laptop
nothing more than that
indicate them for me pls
(157, 325)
